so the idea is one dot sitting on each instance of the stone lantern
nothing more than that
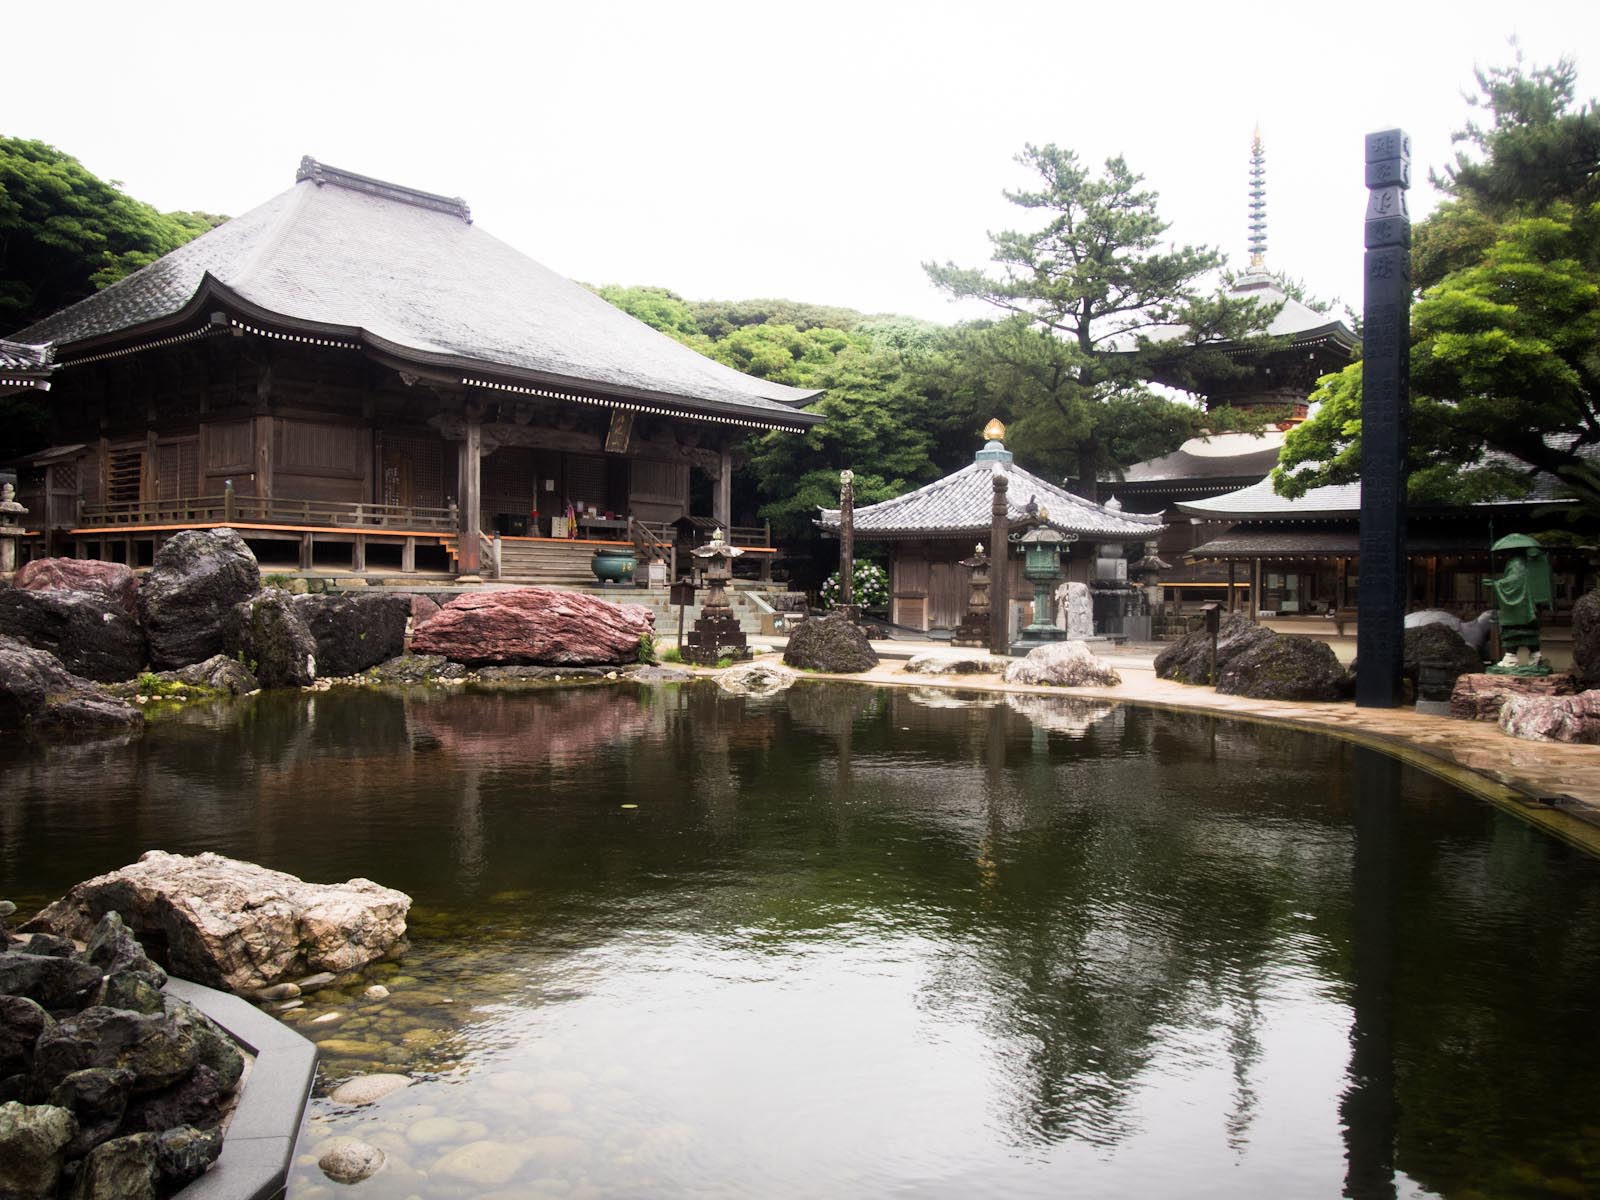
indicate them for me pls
(975, 625)
(11, 514)
(716, 634)
(1041, 566)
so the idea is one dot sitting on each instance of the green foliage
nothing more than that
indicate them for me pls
(869, 584)
(672, 654)
(1093, 295)
(1505, 342)
(64, 232)
(647, 649)
(277, 580)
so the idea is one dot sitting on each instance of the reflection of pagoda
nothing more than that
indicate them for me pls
(1307, 345)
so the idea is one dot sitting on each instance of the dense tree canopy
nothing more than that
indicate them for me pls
(64, 232)
(1098, 303)
(1505, 340)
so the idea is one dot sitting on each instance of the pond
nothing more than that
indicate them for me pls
(859, 943)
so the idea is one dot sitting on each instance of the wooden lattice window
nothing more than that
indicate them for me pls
(125, 475)
(178, 470)
(586, 480)
(413, 471)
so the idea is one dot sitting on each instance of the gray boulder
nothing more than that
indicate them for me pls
(158, 1052)
(1188, 660)
(184, 1154)
(235, 925)
(418, 668)
(976, 662)
(195, 581)
(356, 632)
(1438, 646)
(1062, 664)
(219, 673)
(97, 1097)
(33, 1144)
(1586, 640)
(47, 980)
(1285, 667)
(124, 1168)
(833, 644)
(268, 634)
(37, 691)
(90, 634)
(755, 679)
(21, 1022)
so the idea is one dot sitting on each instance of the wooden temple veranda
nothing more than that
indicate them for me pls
(358, 378)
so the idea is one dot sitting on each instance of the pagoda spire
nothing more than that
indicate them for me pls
(1258, 203)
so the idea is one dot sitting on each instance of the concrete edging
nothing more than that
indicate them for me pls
(258, 1149)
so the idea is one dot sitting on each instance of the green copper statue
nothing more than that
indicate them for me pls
(1525, 585)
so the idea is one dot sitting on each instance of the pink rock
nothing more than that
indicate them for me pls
(534, 625)
(421, 609)
(114, 581)
(1553, 718)
(1479, 697)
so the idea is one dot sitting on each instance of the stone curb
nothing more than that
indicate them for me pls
(259, 1146)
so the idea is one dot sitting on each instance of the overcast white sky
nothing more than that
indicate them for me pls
(817, 151)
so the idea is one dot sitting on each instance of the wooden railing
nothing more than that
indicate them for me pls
(230, 507)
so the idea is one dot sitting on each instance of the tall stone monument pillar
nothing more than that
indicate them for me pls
(847, 544)
(1000, 566)
(1385, 412)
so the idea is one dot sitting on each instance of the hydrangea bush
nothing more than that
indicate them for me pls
(871, 586)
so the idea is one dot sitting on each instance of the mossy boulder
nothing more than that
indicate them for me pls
(1285, 667)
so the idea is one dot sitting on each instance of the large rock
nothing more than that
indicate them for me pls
(974, 662)
(195, 581)
(184, 1154)
(267, 634)
(354, 633)
(1586, 640)
(1479, 697)
(36, 690)
(756, 679)
(125, 1168)
(1188, 660)
(157, 1051)
(832, 643)
(1439, 646)
(534, 625)
(235, 925)
(114, 581)
(33, 1143)
(1285, 667)
(1474, 633)
(1064, 664)
(219, 673)
(46, 979)
(418, 668)
(97, 1097)
(1553, 718)
(21, 1022)
(90, 634)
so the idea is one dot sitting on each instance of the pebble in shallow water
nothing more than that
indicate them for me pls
(350, 1160)
(484, 1162)
(376, 992)
(368, 1089)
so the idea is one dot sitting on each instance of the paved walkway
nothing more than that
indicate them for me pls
(1554, 785)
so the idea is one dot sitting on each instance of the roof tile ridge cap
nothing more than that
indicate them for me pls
(269, 244)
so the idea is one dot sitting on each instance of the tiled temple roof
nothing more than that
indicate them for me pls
(407, 273)
(961, 504)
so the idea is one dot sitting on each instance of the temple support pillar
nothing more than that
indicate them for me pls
(722, 505)
(469, 557)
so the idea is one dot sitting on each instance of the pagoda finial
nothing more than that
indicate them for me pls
(1258, 203)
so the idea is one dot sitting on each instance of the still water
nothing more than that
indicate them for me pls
(854, 943)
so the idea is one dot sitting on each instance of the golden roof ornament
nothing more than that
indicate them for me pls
(994, 431)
